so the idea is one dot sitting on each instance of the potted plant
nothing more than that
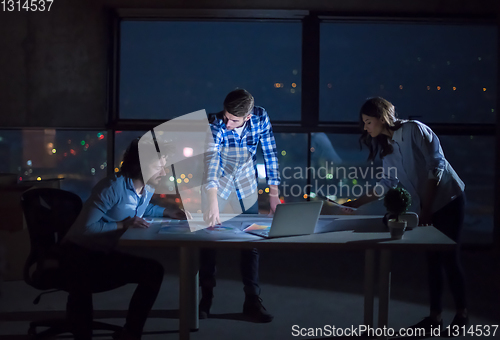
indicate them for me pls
(397, 201)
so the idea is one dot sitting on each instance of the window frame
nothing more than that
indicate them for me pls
(309, 122)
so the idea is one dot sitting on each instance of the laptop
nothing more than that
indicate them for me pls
(290, 219)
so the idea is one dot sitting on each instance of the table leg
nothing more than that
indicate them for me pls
(369, 283)
(188, 292)
(384, 289)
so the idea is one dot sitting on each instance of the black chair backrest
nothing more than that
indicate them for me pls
(49, 214)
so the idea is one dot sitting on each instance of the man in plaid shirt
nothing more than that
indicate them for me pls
(231, 183)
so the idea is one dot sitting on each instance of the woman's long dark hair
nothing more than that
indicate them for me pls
(378, 107)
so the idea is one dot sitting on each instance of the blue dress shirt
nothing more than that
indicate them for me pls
(113, 199)
(417, 157)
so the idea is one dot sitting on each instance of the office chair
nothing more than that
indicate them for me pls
(49, 214)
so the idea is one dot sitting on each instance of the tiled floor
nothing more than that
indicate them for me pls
(311, 289)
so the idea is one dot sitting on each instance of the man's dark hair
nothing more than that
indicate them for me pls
(239, 102)
(131, 165)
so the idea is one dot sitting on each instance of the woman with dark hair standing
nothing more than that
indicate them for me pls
(412, 156)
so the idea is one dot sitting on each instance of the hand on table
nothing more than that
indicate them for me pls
(211, 215)
(346, 207)
(134, 222)
(177, 213)
(274, 201)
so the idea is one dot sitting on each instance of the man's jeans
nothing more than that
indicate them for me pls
(249, 260)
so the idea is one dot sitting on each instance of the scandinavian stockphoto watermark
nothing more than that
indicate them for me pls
(358, 331)
(186, 145)
(372, 332)
(340, 176)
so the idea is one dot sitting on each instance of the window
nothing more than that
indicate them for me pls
(433, 73)
(292, 161)
(473, 158)
(436, 73)
(77, 156)
(171, 68)
(341, 171)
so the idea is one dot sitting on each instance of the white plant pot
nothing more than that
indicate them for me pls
(411, 219)
(397, 228)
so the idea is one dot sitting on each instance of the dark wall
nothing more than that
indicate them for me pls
(53, 65)
(419, 7)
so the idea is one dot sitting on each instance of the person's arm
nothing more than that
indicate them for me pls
(268, 144)
(101, 201)
(388, 181)
(132, 222)
(153, 210)
(212, 173)
(211, 215)
(96, 207)
(169, 210)
(173, 211)
(365, 199)
(428, 143)
(213, 158)
(274, 198)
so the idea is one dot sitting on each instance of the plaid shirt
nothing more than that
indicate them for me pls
(231, 159)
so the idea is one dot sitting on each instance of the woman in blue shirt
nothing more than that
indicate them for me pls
(89, 260)
(412, 156)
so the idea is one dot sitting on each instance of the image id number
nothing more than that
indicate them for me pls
(26, 5)
(477, 330)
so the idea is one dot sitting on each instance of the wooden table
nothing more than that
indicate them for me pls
(335, 233)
